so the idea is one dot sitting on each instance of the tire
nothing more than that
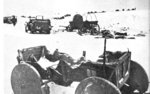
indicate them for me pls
(48, 32)
(26, 29)
(33, 32)
(95, 30)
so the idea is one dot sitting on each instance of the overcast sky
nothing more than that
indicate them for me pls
(64, 6)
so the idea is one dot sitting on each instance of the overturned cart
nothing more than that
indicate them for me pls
(114, 74)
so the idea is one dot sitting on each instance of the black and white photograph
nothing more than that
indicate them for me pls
(76, 47)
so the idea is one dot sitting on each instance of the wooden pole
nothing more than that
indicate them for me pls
(104, 58)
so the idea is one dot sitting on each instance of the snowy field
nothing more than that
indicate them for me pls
(69, 42)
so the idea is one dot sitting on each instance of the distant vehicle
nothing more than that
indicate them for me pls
(92, 12)
(133, 9)
(123, 9)
(62, 17)
(103, 11)
(31, 17)
(38, 25)
(117, 10)
(67, 15)
(23, 16)
(86, 26)
(128, 9)
(59, 18)
(10, 20)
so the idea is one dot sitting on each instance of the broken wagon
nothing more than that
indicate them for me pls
(112, 73)
(38, 25)
(91, 27)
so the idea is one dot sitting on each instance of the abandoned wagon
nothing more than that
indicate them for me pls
(112, 73)
(82, 26)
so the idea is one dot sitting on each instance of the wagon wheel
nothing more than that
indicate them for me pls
(95, 30)
(25, 80)
(48, 32)
(96, 85)
(138, 79)
(32, 28)
(26, 28)
(82, 31)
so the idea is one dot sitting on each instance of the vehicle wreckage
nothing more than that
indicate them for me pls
(38, 25)
(91, 27)
(10, 20)
(112, 73)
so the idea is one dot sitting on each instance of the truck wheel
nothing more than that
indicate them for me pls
(48, 31)
(96, 85)
(97, 29)
(33, 32)
(26, 29)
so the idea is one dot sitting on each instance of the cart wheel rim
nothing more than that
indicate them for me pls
(98, 28)
(96, 85)
(25, 80)
(138, 79)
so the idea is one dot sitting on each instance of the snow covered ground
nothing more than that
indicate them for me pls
(69, 42)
